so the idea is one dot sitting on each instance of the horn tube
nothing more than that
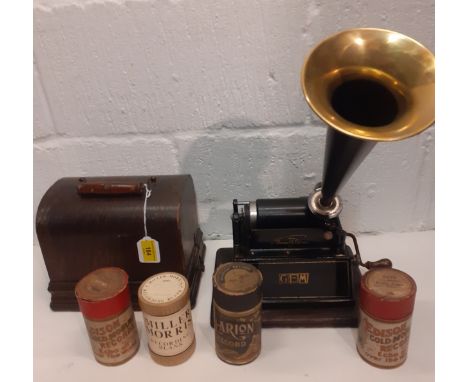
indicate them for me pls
(368, 85)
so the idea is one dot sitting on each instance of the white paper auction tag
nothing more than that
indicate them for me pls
(148, 250)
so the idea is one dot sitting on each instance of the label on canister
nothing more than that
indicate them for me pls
(163, 288)
(237, 339)
(170, 335)
(237, 306)
(115, 340)
(383, 344)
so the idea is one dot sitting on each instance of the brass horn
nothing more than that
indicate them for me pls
(368, 85)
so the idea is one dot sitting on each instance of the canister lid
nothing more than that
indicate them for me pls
(163, 294)
(103, 293)
(387, 293)
(237, 286)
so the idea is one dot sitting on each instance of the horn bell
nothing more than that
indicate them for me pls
(368, 85)
(371, 84)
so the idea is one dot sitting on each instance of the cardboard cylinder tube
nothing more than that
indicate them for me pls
(164, 301)
(387, 299)
(104, 299)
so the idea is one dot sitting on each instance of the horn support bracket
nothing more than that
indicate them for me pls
(317, 208)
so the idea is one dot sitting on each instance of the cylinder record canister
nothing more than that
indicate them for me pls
(237, 302)
(386, 305)
(104, 300)
(164, 301)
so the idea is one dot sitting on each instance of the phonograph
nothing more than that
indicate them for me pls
(367, 85)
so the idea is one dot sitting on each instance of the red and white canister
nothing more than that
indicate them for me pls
(104, 299)
(387, 298)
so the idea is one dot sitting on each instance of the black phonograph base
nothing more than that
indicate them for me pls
(310, 276)
(321, 313)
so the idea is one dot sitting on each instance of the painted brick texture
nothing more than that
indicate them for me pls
(212, 88)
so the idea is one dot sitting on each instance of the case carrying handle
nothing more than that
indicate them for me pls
(110, 189)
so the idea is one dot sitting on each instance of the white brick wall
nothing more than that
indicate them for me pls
(212, 88)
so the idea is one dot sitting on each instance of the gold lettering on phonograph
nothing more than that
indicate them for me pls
(293, 278)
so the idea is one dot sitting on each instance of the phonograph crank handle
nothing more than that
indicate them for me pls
(367, 264)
